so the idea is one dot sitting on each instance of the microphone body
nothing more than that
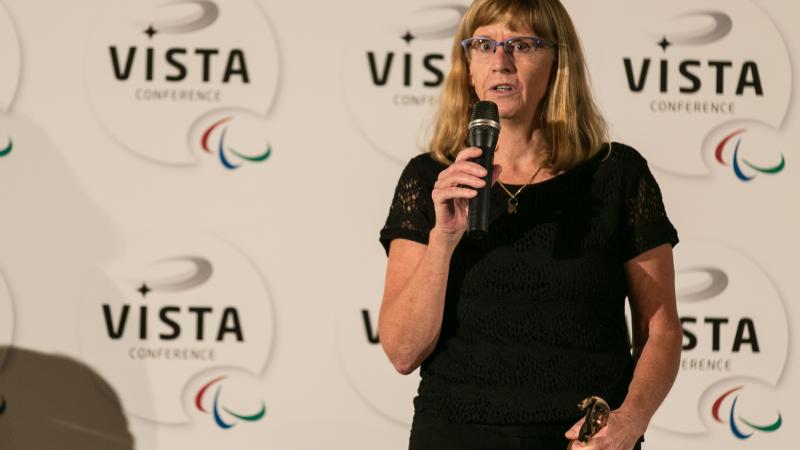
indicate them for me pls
(484, 129)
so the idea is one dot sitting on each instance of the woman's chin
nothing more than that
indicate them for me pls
(507, 107)
(508, 113)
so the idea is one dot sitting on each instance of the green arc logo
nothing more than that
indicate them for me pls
(7, 149)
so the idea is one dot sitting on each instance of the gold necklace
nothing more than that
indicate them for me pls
(512, 198)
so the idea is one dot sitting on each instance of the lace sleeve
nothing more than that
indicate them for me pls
(411, 214)
(646, 224)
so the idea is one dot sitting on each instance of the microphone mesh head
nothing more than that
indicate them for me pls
(485, 110)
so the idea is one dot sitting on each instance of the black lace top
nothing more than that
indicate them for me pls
(534, 313)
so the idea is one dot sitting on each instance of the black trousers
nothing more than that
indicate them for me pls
(431, 433)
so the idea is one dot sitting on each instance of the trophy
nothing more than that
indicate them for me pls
(596, 412)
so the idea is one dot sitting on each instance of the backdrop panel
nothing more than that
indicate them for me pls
(192, 193)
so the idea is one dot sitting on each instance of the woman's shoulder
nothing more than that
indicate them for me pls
(623, 153)
(423, 167)
(623, 158)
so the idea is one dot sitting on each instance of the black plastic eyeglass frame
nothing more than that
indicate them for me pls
(537, 43)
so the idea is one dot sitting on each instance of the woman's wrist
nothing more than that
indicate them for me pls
(636, 419)
(444, 239)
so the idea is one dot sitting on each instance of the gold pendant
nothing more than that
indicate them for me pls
(512, 205)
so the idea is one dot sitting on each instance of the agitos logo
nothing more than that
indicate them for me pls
(738, 163)
(223, 151)
(217, 410)
(735, 421)
(156, 68)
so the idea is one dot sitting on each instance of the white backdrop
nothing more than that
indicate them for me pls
(225, 176)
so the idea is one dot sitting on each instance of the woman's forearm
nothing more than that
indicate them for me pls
(411, 315)
(656, 369)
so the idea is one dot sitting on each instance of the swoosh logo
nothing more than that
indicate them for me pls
(721, 26)
(200, 272)
(714, 283)
(444, 28)
(206, 14)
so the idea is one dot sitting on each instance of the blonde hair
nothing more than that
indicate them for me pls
(574, 129)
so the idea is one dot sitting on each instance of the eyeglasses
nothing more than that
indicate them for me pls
(520, 48)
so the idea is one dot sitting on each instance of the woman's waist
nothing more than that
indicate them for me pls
(531, 365)
(428, 418)
(534, 410)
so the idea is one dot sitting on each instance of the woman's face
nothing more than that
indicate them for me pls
(516, 85)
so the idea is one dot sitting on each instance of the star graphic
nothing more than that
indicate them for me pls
(143, 289)
(150, 31)
(664, 44)
(408, 37)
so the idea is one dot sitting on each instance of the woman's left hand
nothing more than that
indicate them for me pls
(621, 432)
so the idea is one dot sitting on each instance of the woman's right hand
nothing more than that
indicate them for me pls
(453, 189)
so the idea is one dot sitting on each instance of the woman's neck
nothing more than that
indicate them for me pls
(520, 152)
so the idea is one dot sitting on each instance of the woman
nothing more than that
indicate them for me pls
(512, 331)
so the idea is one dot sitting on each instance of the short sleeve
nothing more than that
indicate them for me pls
(411, 214)
(646, 223)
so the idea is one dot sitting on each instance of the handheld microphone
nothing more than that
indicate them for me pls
(484, 128)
